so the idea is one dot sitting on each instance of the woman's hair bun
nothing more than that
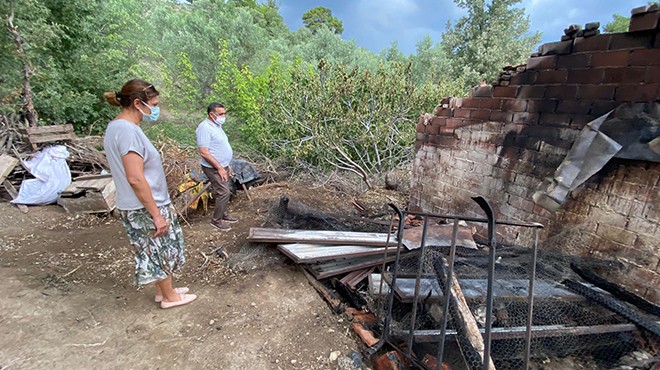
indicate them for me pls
(112, 98)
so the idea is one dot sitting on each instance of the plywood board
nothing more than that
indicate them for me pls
(266, 235)
(438, 236)
(310, 253)
(7, 164)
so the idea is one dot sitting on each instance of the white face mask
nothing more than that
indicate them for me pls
(219, 120)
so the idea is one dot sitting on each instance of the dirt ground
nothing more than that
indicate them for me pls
(69, 301)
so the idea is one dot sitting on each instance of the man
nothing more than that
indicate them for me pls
(216, 154)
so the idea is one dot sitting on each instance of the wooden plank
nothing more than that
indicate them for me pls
(339, 267)
(310, 253)
(91, 177)
(329, 297)
(47, 129)
(462, 315)
(13, 194)
(7, 164)
(438, 236)
(355, 277)
(547, 331)
(50, 137)
(266, 235)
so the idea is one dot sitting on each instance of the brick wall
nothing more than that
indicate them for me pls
(505, 138)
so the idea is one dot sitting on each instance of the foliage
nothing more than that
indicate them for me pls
(338, 117)
(619, 24)
(307, 95)
(184, 85)
(492, 35)
(74, 62)
(172, 129)
(321, 17)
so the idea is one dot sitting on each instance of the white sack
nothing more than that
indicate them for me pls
(52, 176)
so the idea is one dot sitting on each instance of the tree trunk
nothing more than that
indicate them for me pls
(28, 111)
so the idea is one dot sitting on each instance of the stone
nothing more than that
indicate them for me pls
(592, 26)
(351, 362)
(590, 33)
(334, 356)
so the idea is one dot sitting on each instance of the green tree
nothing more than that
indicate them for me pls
(393, 54)
(619, 24)
(493, 34)
(78, 50)
(319, 17)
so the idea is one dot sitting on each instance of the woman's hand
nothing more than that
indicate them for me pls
(161, 226)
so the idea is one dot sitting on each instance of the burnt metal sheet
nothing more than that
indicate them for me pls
(267, 235)
(310, 253)
(438, 236)
(338, 267)
(631, 131)
(545, 331)
(474, 289)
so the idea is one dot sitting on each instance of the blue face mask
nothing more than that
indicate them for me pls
(155, 112)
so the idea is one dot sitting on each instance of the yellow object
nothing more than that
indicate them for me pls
(192, 190)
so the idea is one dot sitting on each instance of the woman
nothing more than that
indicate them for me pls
(142, 197)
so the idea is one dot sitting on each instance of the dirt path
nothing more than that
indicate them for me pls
(69, 303)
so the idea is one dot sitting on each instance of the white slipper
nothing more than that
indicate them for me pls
(185, 299)
(183, 290)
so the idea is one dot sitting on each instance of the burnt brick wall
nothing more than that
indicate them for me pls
(505, 138)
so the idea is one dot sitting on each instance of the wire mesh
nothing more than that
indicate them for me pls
(567, 330)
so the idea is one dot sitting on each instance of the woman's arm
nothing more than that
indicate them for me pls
(134, 167)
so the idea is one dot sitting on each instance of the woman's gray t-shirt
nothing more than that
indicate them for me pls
(122, 137)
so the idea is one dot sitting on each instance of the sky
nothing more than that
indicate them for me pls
(375, 24)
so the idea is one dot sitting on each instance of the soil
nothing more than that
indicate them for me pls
(69, 301)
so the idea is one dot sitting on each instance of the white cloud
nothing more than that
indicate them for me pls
(386, 13)
(573, 13)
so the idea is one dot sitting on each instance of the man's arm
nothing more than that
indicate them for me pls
(204, 152)
(134, 167)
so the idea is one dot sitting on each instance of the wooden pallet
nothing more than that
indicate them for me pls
(46, 134)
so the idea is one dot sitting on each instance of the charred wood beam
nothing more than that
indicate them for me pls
(469, 335)
(327, 294)
(617, 290)
(613, 304)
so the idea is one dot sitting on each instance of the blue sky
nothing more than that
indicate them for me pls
(374, 24)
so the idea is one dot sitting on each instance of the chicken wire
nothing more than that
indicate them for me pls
(566, 327)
